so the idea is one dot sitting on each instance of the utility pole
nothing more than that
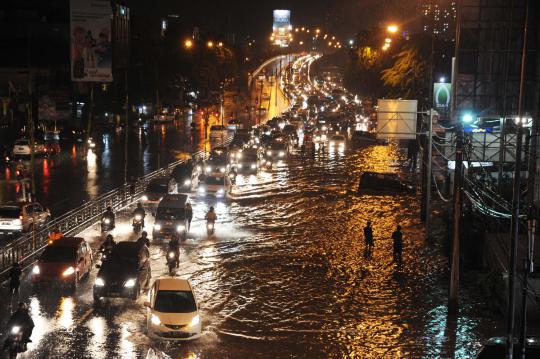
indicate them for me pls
(90, 115)
(515, 213)
(126, 129)
(456, 222)
(276, 80)
(428, 175)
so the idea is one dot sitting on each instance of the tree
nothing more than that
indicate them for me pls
(408, 77)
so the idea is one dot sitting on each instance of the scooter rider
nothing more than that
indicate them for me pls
(140, 211)
(22, 318)
(174, 246)
(108, 244)
(211, 216)
(110, 215)
(20, 168)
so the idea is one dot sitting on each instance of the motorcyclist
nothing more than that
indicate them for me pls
(55, 234)
(143, 239)
(110, 215)
(15, 278)
(174, 246)
(140, 211)
(20, 168)
(211, 216)
(108, 244)
(22, 318)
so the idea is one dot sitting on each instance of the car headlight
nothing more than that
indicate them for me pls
(332, 143)
(196, 320)
(281, 154)
(138, 217)
(187, 182)
(221, 191)
(69, 271)
(155, 319)
(222, 169)
(253, 166)
(180, 228)
(324, 128)
(36, 270)
(323, 137)
(130, 283)
(99, 282)
(17, 222)
(144, 198)
(208, 168)
(202, 189)
(269, 153)
(157, 227)
(16, 329)
(240, 165)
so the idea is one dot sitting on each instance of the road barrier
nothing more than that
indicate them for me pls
(26, 248)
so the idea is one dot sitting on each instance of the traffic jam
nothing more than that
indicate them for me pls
(136, 254)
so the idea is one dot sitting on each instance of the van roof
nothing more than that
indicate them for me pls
(174, 201)
(172, 283)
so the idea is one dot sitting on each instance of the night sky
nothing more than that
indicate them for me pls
(254, 17)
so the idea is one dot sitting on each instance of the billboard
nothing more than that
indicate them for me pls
(442, 94)
(396, 119)
(282, 19)
(90, 32)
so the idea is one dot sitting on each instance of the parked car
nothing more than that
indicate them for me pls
(186, 175)
(16, 217)
(249, 161)
(216, 184)
(158, 188)
(65, 261)
(124, 273)
(171, 217)
(173, 312)
(21, 148)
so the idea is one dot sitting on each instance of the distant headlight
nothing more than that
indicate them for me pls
(130, 283)
(221, 191)
(155, 319)
(15, 330)
(144, 198)
(196, 320)
(106, 220)
(269, 153)
(239, 155)
(222, 169)
(332, 143)
(324, 128)
(99, 282)
(187, 182)
(208, 168)
(253, 166)
(68, 271)
(323, 137)
(172, 255)
(240, 165)
(157, 227)
(202, 189)
(138, 217)
(281, 153)
(17, 222)
(180, 228)
(36, 270)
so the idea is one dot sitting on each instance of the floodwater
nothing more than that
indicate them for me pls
(284, 276)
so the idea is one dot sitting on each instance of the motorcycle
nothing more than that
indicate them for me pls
(210, 228)
(105, 252)
(172, 261)
(15, 343)
(107, 224)
(138, 222)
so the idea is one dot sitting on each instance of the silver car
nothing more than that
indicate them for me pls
(17, 217)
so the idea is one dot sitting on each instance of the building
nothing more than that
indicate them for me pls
(282, 28)
(438, 17)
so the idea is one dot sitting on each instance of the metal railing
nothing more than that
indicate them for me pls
(26, 248)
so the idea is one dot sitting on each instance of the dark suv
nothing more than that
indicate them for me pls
(124, 273)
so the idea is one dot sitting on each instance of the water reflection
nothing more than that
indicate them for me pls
(65, 312)
(98, 328)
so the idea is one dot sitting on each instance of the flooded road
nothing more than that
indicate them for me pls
(283, 276)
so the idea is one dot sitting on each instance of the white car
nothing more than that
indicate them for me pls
(22, 148)
(218, 132)
(216, 184)
(173, 312)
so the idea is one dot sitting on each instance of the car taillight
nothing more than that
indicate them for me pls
(21, 217)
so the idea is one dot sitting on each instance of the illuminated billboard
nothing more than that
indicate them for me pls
(281, 29)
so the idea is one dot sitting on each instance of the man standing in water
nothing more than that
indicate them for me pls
(368, 239)
(397, 237)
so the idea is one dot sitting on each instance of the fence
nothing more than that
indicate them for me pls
(28, 246)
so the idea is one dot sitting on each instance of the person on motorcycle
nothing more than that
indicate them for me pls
(22, 318)
(20, 168)
(140, 211)
(15, 278)
(110, 215)
(174, 246)
(55, 235)
(211, 216)
(108, 244)
(143, 239)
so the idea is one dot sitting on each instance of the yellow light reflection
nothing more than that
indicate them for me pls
(65, 312)
(98, 327)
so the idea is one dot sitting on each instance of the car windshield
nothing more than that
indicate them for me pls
(21, 143)
(10, 212)
(170, 213)
(159, 187)
(214, 180)
(173, 301)
(58, 254)
(249, 158)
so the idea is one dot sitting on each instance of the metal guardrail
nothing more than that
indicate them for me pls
(26, 248)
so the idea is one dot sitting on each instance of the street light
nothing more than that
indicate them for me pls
(442, 79)
(188, 44)
(388, 40)
(467, 118)
(301, 42)
(318, 31)
(351, 42)
(220, 44)
(392, 29)
(210, 44)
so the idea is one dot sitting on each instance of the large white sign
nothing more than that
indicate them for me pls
(91, 49)
(396, 119)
